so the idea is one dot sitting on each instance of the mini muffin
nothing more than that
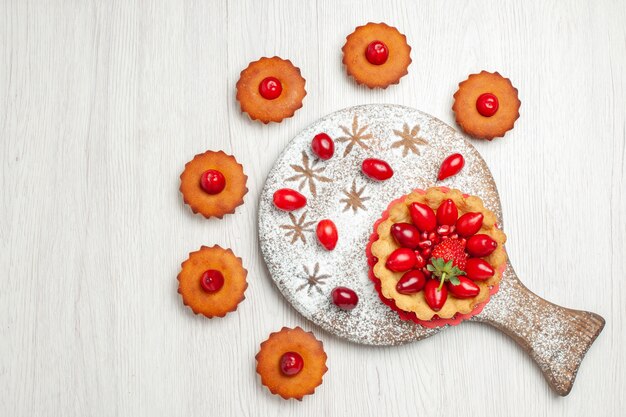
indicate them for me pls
(291, 363)
(376, 55)
(213, 184)
(486, 105)
(212, 281)
(270, 89)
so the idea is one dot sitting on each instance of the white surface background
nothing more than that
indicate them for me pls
(102, 103)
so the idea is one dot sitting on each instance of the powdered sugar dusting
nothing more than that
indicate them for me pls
(557, 338)
(414, 144)
(371, 322)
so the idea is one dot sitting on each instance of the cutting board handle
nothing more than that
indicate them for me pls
(557, 338)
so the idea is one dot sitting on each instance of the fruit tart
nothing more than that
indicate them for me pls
(212, 281)
(436, 256)
(291, 363)
(213, 184)
(486, 105)
(270, 89)
(376, 55)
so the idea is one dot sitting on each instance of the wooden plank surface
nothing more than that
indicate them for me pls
(102, 103)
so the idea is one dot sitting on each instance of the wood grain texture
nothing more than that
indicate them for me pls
(102, 103)
(556, 338)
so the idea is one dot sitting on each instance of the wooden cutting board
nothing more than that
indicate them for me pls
(414, 144)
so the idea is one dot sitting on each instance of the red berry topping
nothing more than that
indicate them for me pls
(327, 234)
(487, 104)
(447, 213)
(288, 200)
(435, 296)
(469, 224)
(377, 53)
(377, 169)
(480, 245)
(444, 230)
(406, 235)
(478, 269)
(323, 146)
(401, 260)
(411, 282)
(451, 250)
(420, 262)
(425, 244)
(212, 281)
(291, 363)
(451, 166)
(212, 181)
(464, 289)
(423, 217)
(344, 297)
(270, 88)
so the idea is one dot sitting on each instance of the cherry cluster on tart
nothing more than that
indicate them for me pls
(436, 255)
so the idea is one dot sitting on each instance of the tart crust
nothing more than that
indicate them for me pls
(291, 340)
(382, 247)
(216, 205)
(226, 299)
(468, 117)
(371, 75)
(282, 107)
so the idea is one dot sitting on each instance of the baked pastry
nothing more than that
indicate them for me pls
(212, 281)
(436, 254)
(486, 105)
(376, 55)
(213, 184)
(270, 89)
(291, 363)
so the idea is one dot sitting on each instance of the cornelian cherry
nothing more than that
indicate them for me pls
(411, 282)
(344, 298)
(450, 166)
(327, 234)
(423, 217)
(447, 213)
(288, 200)
(212, 181)
(469, 224)
(405, 234)
(377, 53)
(377, 169)
(480, 245)
(478, 269)
(465, 289)
(270, 88)
(401, 260)
(291, 363)
(435, 297)
(487, 104)
(323, 146)
(212, 281)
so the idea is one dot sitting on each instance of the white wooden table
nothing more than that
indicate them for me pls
(102, 103)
